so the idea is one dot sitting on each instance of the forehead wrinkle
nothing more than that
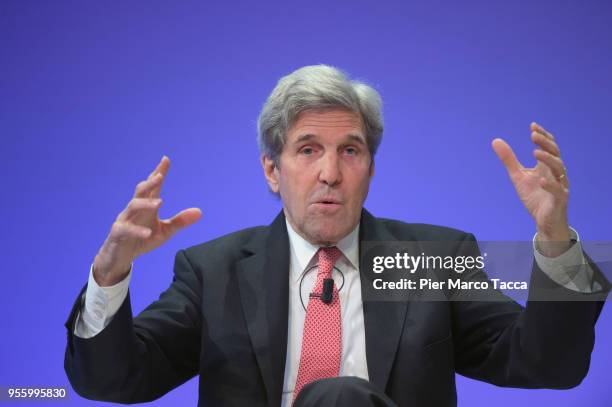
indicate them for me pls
(325, 121)
(308, 125)
(330, 117)
(350, 136)
(330, 124)
(331, 120)
(327, 118)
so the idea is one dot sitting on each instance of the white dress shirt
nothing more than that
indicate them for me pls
(102, 303)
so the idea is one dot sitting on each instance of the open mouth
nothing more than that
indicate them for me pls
(327, 204)
(328, 201)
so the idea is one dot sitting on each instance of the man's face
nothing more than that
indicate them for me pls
(323, 175)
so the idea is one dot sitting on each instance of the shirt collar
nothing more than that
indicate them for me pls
(302, 251)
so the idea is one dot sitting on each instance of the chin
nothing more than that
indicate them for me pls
(325, 236)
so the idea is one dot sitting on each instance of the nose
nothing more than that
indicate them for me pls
(330, 171)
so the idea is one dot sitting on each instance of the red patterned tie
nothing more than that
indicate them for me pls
(322, 339)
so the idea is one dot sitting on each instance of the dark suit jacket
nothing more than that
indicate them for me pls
(224, 317)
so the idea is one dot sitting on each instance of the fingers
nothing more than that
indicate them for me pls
(537, 128)
(140, 206)
(556, 167)
(182, 219)
(162, 169)
(553, 163)
(550, 155)
(151, 187)
(145, 188)
(506, 155)
(545, 143)
(142, 209)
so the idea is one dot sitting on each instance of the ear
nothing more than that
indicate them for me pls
(371, 168)
(271, 173)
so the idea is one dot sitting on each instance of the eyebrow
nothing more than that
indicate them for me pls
(354, 137)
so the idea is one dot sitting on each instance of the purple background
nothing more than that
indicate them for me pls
(93, 94)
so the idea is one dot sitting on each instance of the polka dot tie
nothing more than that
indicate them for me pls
(322, 338)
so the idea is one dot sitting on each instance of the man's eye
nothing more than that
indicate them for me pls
(351, 151)
(307, 151)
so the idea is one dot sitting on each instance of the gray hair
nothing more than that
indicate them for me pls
(316, 87)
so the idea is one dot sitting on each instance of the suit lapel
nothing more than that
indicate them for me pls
(264, 292)
(383, 321)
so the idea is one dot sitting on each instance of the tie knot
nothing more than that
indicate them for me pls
(327, 258)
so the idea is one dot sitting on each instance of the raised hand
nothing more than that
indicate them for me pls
(138, 229)
(543, 189)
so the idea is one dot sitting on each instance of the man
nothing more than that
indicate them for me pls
(277, 315)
